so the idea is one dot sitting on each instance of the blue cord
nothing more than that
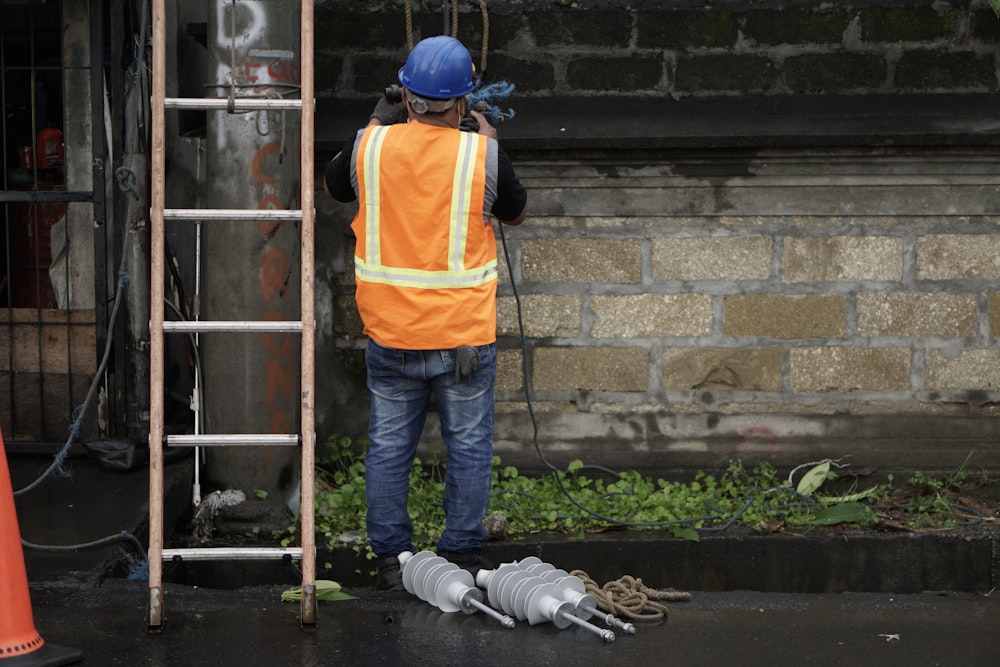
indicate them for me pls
(483, 101)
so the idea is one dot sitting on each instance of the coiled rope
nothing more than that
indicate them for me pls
(628, 597)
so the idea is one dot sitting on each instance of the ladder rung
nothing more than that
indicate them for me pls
(203, 326)
(231, 214)
(239, 103)
(234, 439)
(232, 553)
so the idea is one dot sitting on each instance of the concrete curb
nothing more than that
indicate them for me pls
(98, 503)
(966, 560)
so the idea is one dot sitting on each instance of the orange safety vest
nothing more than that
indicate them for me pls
(426, 257)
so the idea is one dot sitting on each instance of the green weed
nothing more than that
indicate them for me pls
(582, 499)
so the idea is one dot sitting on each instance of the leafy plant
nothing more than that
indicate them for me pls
(930, 502)
(325, 590)
(584, 499)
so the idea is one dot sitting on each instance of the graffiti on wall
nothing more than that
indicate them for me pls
(244, 33)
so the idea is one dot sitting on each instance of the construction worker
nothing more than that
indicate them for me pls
(426, 277)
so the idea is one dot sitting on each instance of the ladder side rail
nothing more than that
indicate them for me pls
(308, 317)
(154, 610)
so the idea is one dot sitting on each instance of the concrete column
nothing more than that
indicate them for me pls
(250, 270)
(73, 237)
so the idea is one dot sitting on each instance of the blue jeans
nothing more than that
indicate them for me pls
(401, 383)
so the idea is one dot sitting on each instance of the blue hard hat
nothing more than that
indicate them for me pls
(439, 68)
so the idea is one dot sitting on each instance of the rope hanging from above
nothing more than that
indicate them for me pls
(409, 25)
(483, 11)
(484, 99)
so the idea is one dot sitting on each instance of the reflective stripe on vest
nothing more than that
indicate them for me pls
(456, 276)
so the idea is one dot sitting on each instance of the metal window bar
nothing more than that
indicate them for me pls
(158, 215)
(23, 283)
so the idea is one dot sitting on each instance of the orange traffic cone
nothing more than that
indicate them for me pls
(20, 643)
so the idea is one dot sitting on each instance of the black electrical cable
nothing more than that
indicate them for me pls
(79, 414)
(111, 539)
(727, 521)
(556, 473)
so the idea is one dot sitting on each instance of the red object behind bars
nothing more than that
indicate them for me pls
(49, 147)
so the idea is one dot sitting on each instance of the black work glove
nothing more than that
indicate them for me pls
(468, 124)
(389, 113)
(466, 363)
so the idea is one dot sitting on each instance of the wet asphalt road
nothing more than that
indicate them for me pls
(251, 626)
(76, 605)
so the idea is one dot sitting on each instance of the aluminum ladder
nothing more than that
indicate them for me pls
(306, 439)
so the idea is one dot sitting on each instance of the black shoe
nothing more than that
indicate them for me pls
(471, 561)
(390, 575)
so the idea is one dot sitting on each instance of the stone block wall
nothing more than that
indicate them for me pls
(846, 323)
(682, 308)
(842, 320)
(675, 48)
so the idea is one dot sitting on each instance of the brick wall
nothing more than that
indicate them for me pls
(684, 307)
